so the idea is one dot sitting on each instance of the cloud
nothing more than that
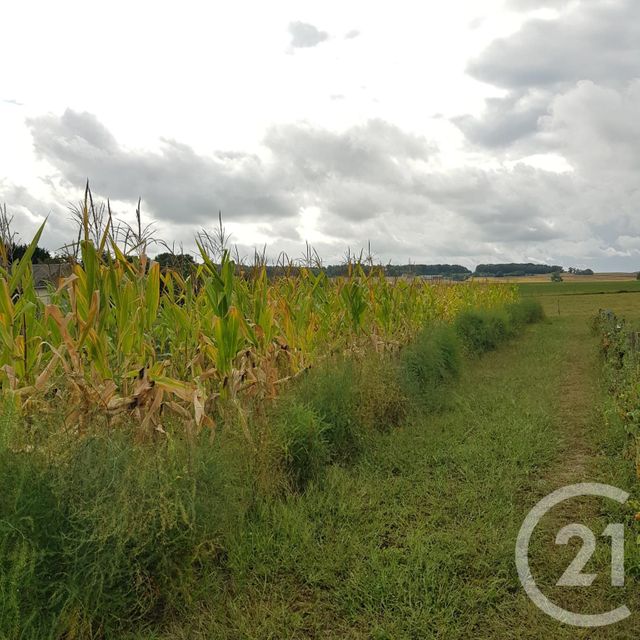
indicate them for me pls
(597, 129)
(304, 35)
(572, 89)
(376, 152)
(350, 35)
(372, 182)
(532, 5)
(594, 41)
(176, 182)
(505, 120)
(29, 211)
(13, 102)
(357, 174)
(591, 41)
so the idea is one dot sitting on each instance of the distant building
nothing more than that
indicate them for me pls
(46, 276)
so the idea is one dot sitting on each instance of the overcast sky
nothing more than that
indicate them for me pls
(463, 131)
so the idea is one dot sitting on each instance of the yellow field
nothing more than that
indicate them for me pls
(567, 277)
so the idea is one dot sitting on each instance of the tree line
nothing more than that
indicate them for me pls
(184, 262)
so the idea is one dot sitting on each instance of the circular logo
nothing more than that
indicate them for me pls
(572, 577)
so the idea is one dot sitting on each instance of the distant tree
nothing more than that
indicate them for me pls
(515, 269)
(444, 270)
(183, 263)
(40, 255)
(452, 271)
(556, 277)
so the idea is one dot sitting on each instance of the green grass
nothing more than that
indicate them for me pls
(581, 308)
(383, 533)
(416, 539)
(572, 288)
(103, 533)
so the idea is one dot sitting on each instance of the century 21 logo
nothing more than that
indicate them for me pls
(573, 576)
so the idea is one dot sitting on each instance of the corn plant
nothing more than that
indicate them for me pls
(120, 339)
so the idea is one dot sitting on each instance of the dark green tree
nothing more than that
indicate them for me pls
(183, 263)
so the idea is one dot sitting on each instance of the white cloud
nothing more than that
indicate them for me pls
(304, 35)
(337, 143)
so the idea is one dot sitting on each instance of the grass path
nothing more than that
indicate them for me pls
(578, 406)
(417, 540)
(579, 427)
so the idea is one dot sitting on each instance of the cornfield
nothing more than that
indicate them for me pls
(121, 339)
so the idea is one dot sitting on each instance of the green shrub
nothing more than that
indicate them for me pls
(482, 331)
(475, 330)
(354, 398)
(526, 311)
(499, 326)
(534, 311)
(381, 402)
(331, 391)
(432, 360)
(301, 438)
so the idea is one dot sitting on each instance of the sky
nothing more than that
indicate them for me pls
(465, 131)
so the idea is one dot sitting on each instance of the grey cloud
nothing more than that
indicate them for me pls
(375, 152)
(505, 120)
(29, 211)
(597, 129)
(374, 182)
(524, 205)
(528, 231)
(359, 173)
(304, 35)
(350, 35)
(13, 102)
(483, 207)
(594, 41)
(477, 22)
(176, 183)
(629, 243)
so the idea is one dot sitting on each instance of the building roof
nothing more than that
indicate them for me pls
(49, 274)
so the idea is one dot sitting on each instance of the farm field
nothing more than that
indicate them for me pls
(320, 321)
(345, 518)
(417, 539)
(567, 277)
(544, 289)
(150, 418)
(120, 339)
